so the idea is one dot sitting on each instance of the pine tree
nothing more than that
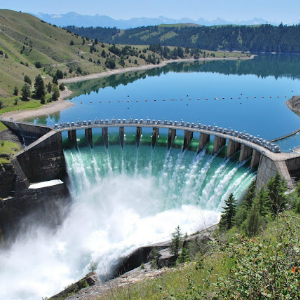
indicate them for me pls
(262, 200)
(250, 195)
(176, 243)
(26, 92)
(49, 87)
(16, 91)
(39, 87)
(56, 93)
(277, 200)
(253, 222)
(227, 217)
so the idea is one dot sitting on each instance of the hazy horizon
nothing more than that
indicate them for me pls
(273, 11)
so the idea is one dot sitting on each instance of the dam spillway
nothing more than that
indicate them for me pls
(123, 197)
(181, 177)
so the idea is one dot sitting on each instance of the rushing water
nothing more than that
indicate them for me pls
(125, 198)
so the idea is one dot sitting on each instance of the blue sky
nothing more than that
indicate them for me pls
(272, 10)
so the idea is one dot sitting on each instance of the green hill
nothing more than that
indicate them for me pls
(29, 46)
(261, 38)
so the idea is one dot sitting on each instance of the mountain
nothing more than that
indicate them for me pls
(78, 20)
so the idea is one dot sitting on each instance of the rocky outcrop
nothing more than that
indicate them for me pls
(138, 266)
(7, 179)
(294, 104)
(90, 279)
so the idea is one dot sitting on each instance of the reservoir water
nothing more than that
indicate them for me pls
(126, 198)
(243, 95)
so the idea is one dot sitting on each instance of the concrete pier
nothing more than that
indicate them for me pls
(155, 134)
(105, 136)
(218, 143)
(245, 153)
(73, 137)
(204, 139)
(255, 159)
(171, 137)
(232, 148)
(188, 135)
(121, 133)
(138, 135)
(89, 136)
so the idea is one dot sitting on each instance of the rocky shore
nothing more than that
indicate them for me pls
(137, 266)
(294, 104)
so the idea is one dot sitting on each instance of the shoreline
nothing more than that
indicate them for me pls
(62, 104)
(146, 67)
(46, 109)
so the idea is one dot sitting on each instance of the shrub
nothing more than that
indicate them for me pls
(37, 64)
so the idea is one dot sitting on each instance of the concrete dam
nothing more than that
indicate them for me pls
(40, 168)
(107, 187)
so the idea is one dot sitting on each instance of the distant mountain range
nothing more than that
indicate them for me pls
(78, 20)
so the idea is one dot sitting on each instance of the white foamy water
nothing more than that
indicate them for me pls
(116, 209)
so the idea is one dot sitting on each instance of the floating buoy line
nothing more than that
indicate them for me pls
(190, 99)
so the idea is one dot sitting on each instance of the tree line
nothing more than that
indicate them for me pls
(262, 38)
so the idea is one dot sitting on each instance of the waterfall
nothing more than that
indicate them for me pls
(122, 199)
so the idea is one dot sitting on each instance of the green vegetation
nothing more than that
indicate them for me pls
(32, 49)
(262, 38)
(258, 258)
(7, 150)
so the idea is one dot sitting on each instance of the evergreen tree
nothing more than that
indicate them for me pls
(49, 87)
(43, 99)
(27, 79)
(39, 87)
(250, 195)
(262, 200)
(176, 243)
(56, 93)
(26, 92)
(16, 91)
(227, 217)
(253, 221)
(277, 200)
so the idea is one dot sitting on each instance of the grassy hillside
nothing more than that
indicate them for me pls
(29, 46)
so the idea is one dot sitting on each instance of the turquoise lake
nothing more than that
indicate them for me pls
(243, 95)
